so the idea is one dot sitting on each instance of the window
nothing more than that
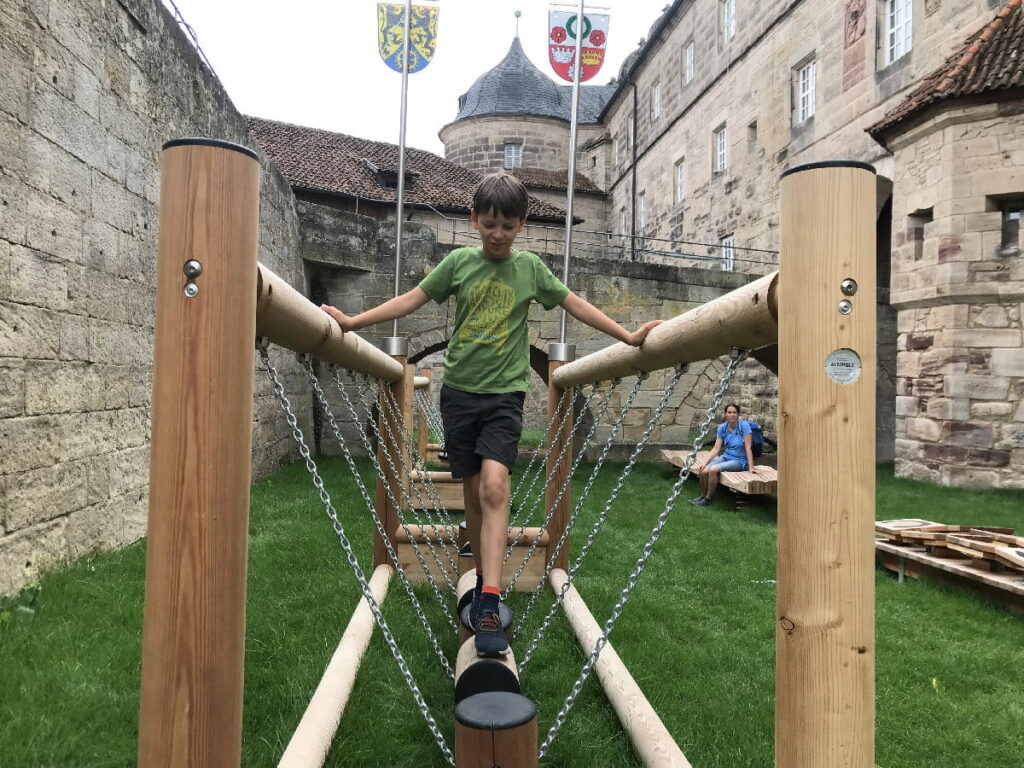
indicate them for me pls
(641, 213)
(899, 17)
(1010, 242)
(623, 222)
(729, 20)
(721, 150)
(655, 101)
(513, 155)
(728, 253)
(916, 222)
(752, 137)
(680, 180)
(688, 63)
(805, 88)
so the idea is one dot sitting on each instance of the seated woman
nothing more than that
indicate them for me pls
(734, 435)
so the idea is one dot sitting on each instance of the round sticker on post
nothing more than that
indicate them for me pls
(843, 366)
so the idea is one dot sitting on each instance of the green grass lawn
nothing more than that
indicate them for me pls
(698, 636)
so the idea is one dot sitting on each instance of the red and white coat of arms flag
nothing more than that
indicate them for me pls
(563, 27)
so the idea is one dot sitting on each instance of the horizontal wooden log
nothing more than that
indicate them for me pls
(447, 534)
(745, 318)
(312, 739)
(653, 743)
(435, 477)
(289, 319)
(421, 382)
(476, 675)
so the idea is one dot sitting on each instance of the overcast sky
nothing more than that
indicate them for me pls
(315, 63)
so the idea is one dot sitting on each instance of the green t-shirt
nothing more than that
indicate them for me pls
(489, 350)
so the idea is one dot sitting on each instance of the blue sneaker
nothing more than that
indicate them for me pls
(701, 502)
(696, 501)
(490, 640)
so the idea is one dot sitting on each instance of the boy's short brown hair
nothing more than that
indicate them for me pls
(503, 194)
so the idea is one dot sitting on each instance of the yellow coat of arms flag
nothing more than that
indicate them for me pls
(391, 31)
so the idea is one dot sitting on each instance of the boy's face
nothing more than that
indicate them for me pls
(497, 232)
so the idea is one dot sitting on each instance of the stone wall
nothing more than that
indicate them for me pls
(959, 290)
(90, 92)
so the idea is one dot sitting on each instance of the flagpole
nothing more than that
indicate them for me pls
(401, 158)
(571, 180)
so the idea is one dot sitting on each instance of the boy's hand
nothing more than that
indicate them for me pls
(343, 320)
(637, 337)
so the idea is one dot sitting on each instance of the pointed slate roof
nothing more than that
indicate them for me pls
(990, 60)
(316, 160)
(516, 87)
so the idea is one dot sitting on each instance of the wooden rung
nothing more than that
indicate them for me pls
(496, 729)
(422, 533)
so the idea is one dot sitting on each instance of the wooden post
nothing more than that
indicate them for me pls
(558, 356)
(391, 443)
(497, 728)
(193, 634)
(825, 642)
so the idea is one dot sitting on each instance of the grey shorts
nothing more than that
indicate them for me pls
(478, 427)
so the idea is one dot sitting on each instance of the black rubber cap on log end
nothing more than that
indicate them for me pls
(465, 600)
(504, 614)
(485, 676)
(499, 711)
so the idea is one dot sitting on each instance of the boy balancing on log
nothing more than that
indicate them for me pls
(487, 370)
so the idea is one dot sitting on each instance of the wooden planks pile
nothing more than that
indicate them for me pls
(991, 558)
(765, 480)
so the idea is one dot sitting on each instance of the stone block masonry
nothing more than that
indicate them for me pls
(90, 92)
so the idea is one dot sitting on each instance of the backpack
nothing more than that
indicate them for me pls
(756, 438)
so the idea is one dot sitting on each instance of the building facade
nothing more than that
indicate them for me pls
(725, 95)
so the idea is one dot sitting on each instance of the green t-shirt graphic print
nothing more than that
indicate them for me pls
(489, 350)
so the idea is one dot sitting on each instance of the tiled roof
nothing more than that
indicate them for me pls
(992, 59)
(516, 87)
(538, 177)
(333, 163)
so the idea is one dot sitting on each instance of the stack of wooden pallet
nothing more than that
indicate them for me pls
(988, 556)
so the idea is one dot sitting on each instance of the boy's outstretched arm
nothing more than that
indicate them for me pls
(587, 313)
(400, 306)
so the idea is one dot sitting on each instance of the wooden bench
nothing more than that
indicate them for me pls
(765, 480)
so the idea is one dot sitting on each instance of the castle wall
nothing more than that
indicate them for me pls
(90, 92)
(959, 288)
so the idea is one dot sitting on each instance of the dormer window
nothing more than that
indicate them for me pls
(513, 155)
(387, 178)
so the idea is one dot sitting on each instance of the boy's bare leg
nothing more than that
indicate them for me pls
(704, 483)
(471, 501)
(494, 487)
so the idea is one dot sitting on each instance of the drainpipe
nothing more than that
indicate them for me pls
(632, 192)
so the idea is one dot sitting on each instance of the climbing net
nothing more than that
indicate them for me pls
(419, 503)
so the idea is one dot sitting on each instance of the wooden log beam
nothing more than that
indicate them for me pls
(746, 318)
(311, 741)
(653, 743)
(289, 319)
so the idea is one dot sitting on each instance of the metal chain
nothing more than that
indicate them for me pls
(433, 418)
(343, 443)
(566, 445)
(398, 508)
(727, 376)
(352, 561)
(566, 484)
(541, 451)
(393, 416)
(605, 451)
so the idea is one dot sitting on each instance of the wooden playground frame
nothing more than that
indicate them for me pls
(207, 319)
